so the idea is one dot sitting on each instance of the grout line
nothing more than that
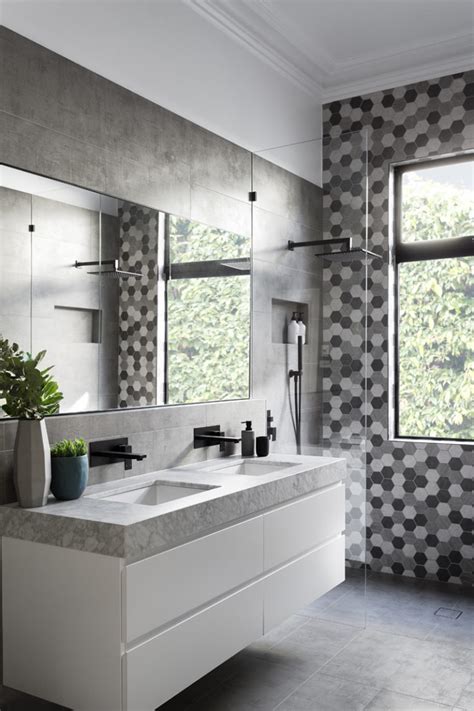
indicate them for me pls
(318, 670)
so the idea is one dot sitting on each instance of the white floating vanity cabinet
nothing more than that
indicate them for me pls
(95, 634)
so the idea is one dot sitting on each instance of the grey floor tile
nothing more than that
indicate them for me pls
(429, 670)
(279, 633)
(325, 693)
(460, 631)
(323, 636)
(392, 701)
(466, 698)
(261, 686)
(11, 700)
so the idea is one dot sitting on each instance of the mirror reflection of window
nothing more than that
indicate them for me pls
(208, 313)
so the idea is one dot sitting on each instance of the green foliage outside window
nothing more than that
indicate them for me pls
(208, 318)
(436, 318)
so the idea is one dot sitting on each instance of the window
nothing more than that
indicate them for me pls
(434, 299)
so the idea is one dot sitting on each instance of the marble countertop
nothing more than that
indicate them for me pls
(136, 531)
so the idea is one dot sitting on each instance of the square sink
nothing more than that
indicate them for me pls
(156, 493)
(252, 467)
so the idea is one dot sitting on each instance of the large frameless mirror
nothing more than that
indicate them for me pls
(133, 306)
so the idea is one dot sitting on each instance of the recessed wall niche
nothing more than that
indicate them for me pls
(282, 312)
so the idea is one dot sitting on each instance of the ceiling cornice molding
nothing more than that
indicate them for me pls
(390, 80)
(239, 26)
(262, 30)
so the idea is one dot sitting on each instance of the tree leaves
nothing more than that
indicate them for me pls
(436, 320)
(26, 391)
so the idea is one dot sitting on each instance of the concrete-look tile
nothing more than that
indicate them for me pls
(230, 415)
(271, 234)
(325, 693)
(220, 165)
(466, 698)
(173, 448)
(270, 281)
(391, 701)
(11, 700)
(164, 186)
(31, 75)
(320, 635)
(7, 488)
(277, 634)
(221, 211)
(31, 147)
(259, 685)
(15, 212)
(370, 658)
(283, 193)
(430, 671)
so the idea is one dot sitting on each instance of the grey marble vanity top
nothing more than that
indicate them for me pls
(136, 531)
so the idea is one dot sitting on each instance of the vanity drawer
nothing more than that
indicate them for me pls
(160, 668)
(297, 584)
(301, 525)
(161, 588)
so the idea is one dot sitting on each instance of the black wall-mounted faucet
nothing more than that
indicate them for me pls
(112, 451)
(271, 429)
(211, 435)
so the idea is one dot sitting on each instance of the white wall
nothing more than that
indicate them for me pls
(167, 52)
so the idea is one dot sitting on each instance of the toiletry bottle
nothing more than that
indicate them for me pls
(293, 329)
(248, 440)
(301, 327)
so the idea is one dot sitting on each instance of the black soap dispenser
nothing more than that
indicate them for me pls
(248, 439)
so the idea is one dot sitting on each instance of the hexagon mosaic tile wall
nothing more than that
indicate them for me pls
(418, 512)
(138, 306)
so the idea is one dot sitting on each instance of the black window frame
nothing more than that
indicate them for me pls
(402, 252)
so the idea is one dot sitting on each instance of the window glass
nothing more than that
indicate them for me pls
(438, 201)
(436, 348)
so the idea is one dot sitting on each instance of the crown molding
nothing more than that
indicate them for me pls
(263, 31)
(390, 80)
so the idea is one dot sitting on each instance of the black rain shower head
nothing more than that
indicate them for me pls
(349, 255)
(109, 268)
(346, 253)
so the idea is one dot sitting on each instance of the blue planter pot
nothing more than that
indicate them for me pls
(69, 477)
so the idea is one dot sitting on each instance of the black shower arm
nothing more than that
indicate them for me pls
(344, 241)
(97, 263)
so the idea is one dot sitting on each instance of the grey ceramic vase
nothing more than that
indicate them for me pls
(32, 463)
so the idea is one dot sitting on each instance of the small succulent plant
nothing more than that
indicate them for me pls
(69, 448)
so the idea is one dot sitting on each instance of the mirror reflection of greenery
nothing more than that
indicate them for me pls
(436, 318)
(195, 242)
(208, 318)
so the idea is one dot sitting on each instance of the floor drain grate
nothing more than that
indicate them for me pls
(448, 612)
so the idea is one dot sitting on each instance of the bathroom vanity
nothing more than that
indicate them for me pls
(123, 598)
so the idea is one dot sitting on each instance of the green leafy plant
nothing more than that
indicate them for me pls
(69, 448)
(208, 318)
(26, 391)
(436, 312)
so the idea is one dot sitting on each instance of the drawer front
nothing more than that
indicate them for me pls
(160, 668)
(171, 584)
(298, 583)
(295, 528)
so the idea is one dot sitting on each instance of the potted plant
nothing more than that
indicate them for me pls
(28, 393)
(69, 469)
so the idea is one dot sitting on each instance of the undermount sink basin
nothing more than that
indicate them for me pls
(252, 468)
(157, 493)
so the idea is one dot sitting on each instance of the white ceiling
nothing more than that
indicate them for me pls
(341, 48)
(253, 71)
